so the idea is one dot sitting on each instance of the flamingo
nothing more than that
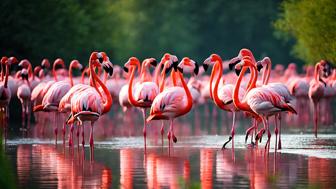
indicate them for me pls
(24, 94)
(222, 96)
(90, 104)
(279, 88)
(262, 101)
(54, 95)
(145, 91)
(316, 92)
(175, 101)
(5, 93)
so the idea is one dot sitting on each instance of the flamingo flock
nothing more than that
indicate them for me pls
(250, 87)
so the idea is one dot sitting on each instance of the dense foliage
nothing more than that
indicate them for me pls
(313, 25)
(142, 28)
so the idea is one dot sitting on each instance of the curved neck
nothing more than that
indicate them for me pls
(173, 77)
(316, 72)
(70, 74)
(54, 69)
(253, 78)
(107, 101)
(213, 73)
(236, 101)
(189, 97)
(130, 89)
(267, 73)
(2, 72)
(157, 73)
(144, 75)
(6, 77)
(217, 101)
(105, 77)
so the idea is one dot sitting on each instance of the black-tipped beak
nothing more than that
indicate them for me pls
(196, 70)
(205, 67)
(180, 69)
(42, 66)
(82, 69)
(233, 62)
(24, 76)
(126, 69)
(168, 69)
(101, 59)
(259, 66)
(175, 64)
(108, 69)
(237, 71)
(154, 63)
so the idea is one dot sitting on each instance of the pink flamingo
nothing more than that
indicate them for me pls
(145, 91)
(90, 104)
(222, 96)
(5, 93)
(24, 94)
(262, 100)
(173, 102)
(316, 92)
(279, 88)
(54, 95)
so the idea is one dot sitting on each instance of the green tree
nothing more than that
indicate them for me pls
(312, 24)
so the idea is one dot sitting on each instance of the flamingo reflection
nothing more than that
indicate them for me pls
(49, 167)
(165, 171)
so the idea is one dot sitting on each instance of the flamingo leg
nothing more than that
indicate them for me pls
(169, 134)
(249, 130)
(232, 131)
(173, 135)
(279, 144)
(144, 125)
(276, 130)
(28, 114)
(55, 129)
(71, 135)
(262, 131)
(83, 141)
(162, 131)
(91, 135)
(315, 118)
(23, 115)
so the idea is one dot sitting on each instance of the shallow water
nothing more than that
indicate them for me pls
(119, 159)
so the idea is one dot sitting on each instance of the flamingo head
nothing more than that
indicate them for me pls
(210, 61)
(11, 60)
(150, 62)
(76, 64)
(24, 64)
(327, 68)
(37, 70)
(238, 67)
(168, 59)
(187, 65)
(24, 74)
(45, 64)
(4, 60)
(243, 53)
(132, 63)
(262, 63)
(105, 62)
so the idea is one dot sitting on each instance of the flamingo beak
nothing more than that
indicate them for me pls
(125, 69)
(196, 70)
(259, 66)
(108, 67)
(206, 63)
(237, 71)
(233, 62)
(153, 63)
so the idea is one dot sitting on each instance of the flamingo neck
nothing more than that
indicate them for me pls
(218, 102)
(107, 98)
(6, 77)
(157, 73)
(173, 77)
(162, 82)
(54, 69)
(316, 72)
(267, 72)
(236, 101)
(189, 97)
(253, 79)
(130, 89)
(105, 78)
(70, 75)
(213, 72)
(30, 72)
(144, 75)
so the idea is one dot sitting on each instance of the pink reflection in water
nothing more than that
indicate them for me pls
(47, 166)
